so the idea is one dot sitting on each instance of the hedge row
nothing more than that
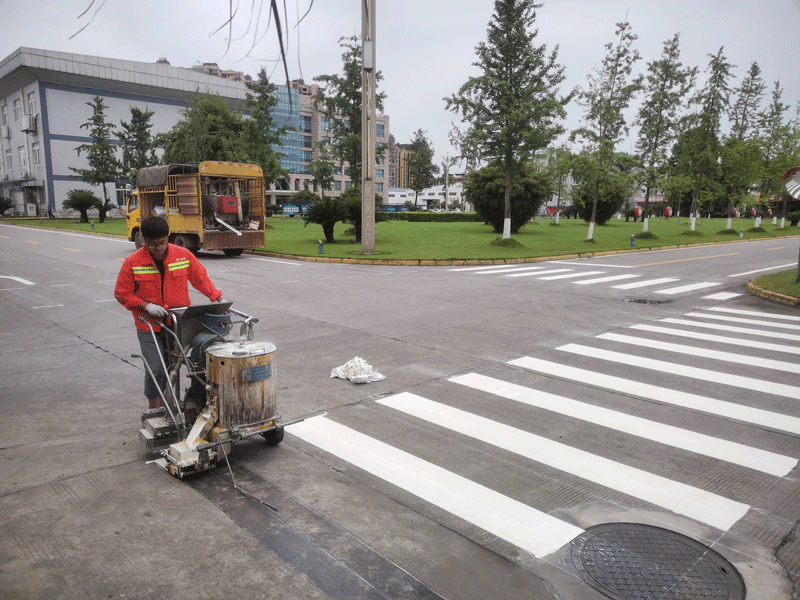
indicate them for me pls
(433, 217)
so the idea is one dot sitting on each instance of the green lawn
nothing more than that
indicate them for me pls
(784, 283)
(401, 240)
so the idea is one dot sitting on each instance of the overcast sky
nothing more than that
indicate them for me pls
(425, 48)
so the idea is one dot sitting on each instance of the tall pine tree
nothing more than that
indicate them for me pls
(138, 144)
(103, 164)
(513, 107)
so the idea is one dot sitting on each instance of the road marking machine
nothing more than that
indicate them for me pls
(230, 397)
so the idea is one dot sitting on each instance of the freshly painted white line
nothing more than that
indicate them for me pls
(633, 360)
(743, 320)
(47, 306)
(722, 296)
(481, 268)
(571, 275)
(687, 288)
(509, 519)
(718, 327)
(638, 284)
(753, 313)
(743, 359)
(678, 497)
(732, 452)
(704, 404)
(767, 269)
(106, 300)
(540, 273)
(17, 279)
(280, 262)
(589, 264)
(709, 337)
(606, 279)
(509, 270)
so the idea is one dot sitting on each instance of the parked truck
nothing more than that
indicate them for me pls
(211, 205)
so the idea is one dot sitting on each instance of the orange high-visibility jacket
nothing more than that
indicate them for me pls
(139, 280)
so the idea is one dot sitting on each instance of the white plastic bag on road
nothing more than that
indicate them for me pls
(357, 370)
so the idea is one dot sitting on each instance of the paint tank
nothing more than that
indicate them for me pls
(243, 375)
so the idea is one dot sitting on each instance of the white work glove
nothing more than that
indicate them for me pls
(154, 310)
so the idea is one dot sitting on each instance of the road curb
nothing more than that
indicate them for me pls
(774, 296)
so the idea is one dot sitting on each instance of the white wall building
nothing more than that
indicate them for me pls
(43, 103)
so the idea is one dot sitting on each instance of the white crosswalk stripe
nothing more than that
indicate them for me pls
(543, 273)
(526, 527)
(753, 458)
(680, 498)
(539, 532)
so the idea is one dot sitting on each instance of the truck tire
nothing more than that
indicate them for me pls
(186, 241)
(233, 251)
(137, 239)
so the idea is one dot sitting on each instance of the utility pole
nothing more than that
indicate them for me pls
(368, 127)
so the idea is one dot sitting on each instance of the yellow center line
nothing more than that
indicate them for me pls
(30, 242)
(72, 249)
(4, 236)
(666, 262)
(781, 248)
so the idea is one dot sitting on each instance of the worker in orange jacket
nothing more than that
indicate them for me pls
(152, 279)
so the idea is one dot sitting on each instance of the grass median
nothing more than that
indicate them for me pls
(463, 241)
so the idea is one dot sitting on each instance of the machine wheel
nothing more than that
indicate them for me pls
(233, 251)
(137, 239)
(274, 436)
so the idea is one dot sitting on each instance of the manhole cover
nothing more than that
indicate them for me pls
(628, 560)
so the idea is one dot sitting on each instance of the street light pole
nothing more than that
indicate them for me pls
(368, 132)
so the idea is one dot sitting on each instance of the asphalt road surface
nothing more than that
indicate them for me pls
(522, 406)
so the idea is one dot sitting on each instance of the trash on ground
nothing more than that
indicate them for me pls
(357, 370)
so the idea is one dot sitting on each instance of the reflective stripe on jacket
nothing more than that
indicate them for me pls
(139, 280)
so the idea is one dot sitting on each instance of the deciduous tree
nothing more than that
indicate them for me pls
(610, 91)
(209, 130)
(339, 99)
(421, 169)
(666, 86)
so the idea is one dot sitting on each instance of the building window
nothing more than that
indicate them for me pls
(4, 113)
(9, 161)
(348, 185)
(17, 111)
(305, 124)
(23, 157)
(337, 170)
(379, 187)
(379, 173)
(36, 154)
(306, 155)
(380, 160)
(379, 130)
(32, 103)
(337, 186)
(306, 141)
(325, 123)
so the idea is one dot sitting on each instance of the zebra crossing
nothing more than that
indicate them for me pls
(534, 529)
(547, 273)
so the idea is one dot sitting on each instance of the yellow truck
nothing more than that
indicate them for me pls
(211, 205)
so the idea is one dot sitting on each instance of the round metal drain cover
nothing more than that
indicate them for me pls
(628, 560)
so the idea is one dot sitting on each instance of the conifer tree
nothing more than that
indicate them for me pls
(513, 106)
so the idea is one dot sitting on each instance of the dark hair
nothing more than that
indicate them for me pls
(154, 228)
